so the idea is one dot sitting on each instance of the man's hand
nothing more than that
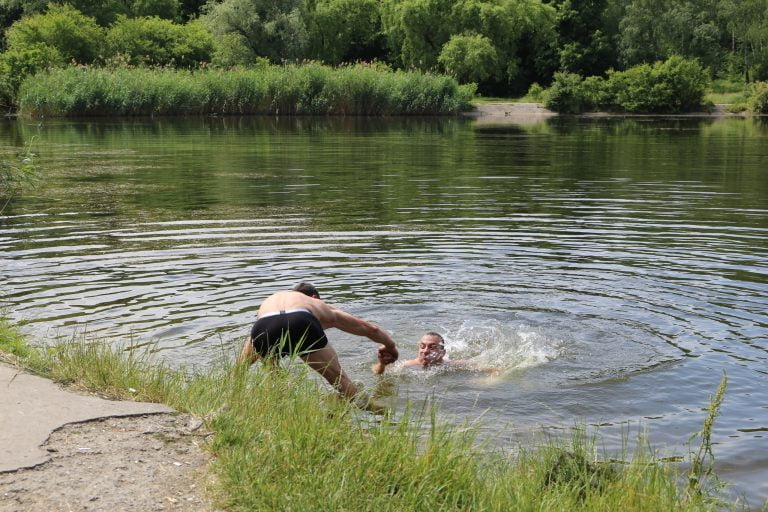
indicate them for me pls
(386, 356)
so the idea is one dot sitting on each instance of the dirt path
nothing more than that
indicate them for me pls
(139, 463)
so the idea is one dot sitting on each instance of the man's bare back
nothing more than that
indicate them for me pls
(323, 360)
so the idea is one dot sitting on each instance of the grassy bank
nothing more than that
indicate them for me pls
(309, 89)
(283, 444)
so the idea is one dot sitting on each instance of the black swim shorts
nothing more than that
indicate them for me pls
(287, 332)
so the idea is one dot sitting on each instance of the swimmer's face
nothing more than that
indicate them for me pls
(431, 350)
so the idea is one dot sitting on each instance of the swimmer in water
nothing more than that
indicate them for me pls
(432, 353)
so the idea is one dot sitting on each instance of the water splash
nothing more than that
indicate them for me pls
(505, 346)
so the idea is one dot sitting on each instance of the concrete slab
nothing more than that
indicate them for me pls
(31, 408)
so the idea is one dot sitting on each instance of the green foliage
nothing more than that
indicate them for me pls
(157, 41)
(654, 30)
(75, 36)
(469, 58)
(535, 92)
(703, 459)
(230, 50)
(747, 24)
(103, 11)
(757, 99)
(418, 31)
(274, 29)
(675, 85)
(15, 175)
(344, 30)
(17, 64)
(566, 94)
(287, 90)
(584, 47)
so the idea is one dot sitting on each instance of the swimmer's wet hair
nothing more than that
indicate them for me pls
(436, 335)
(307, 289)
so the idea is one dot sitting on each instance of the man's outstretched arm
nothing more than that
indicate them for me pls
(354, 325)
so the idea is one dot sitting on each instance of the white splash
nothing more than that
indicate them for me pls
(494, 344)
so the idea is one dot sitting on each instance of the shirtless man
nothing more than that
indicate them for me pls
(289, 317)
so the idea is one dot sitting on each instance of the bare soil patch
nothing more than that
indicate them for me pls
(139, 463)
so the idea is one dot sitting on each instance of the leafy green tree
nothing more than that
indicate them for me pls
(653, 30)
(518, 30)
(416, 30)
(344, 30)
(641, 32)
(17, 64)
(232, 50)
(74, 35)
(153, 40)
(274, 29)
(585, 43)
(747, 24)
(470, 58)
(103, 11)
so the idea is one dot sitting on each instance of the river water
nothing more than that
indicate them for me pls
(611, 269)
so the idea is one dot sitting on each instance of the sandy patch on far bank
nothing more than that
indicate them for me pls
(139, 463)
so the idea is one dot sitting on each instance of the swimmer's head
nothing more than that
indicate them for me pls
(307, 289)
(431, 349)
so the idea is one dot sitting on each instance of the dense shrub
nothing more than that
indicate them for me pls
(152, 40)
(74, 35)
(470, 58)
(566, 95)
(758, 97)
(285, 90)
(16, 65)
(675, 85)
(535, 92)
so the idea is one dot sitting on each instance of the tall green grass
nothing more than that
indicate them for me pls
(308, 89)
(283, 444)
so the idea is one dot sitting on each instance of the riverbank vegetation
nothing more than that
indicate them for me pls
(673, 86)
(17, 172)
(282, 443)
(504, 46)
(306, 89)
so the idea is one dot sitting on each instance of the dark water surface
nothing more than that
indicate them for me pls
(612, 269)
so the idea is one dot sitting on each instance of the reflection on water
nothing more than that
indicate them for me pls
(612, 269)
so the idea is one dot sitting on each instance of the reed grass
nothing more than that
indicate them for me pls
(307, 89)
(281, 443)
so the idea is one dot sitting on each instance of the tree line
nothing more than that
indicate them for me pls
(502, 45)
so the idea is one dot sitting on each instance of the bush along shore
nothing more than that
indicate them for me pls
(307, 89)
(281, 443)
(673, 86)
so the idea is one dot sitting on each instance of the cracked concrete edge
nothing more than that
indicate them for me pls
(34, 407)
(79, 422)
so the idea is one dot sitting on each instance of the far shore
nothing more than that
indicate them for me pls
(527, 112)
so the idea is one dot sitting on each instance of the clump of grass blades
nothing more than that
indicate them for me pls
(307, 89)
(282, 443)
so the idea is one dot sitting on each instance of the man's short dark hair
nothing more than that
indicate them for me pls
(307, 289)
(436, 335)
